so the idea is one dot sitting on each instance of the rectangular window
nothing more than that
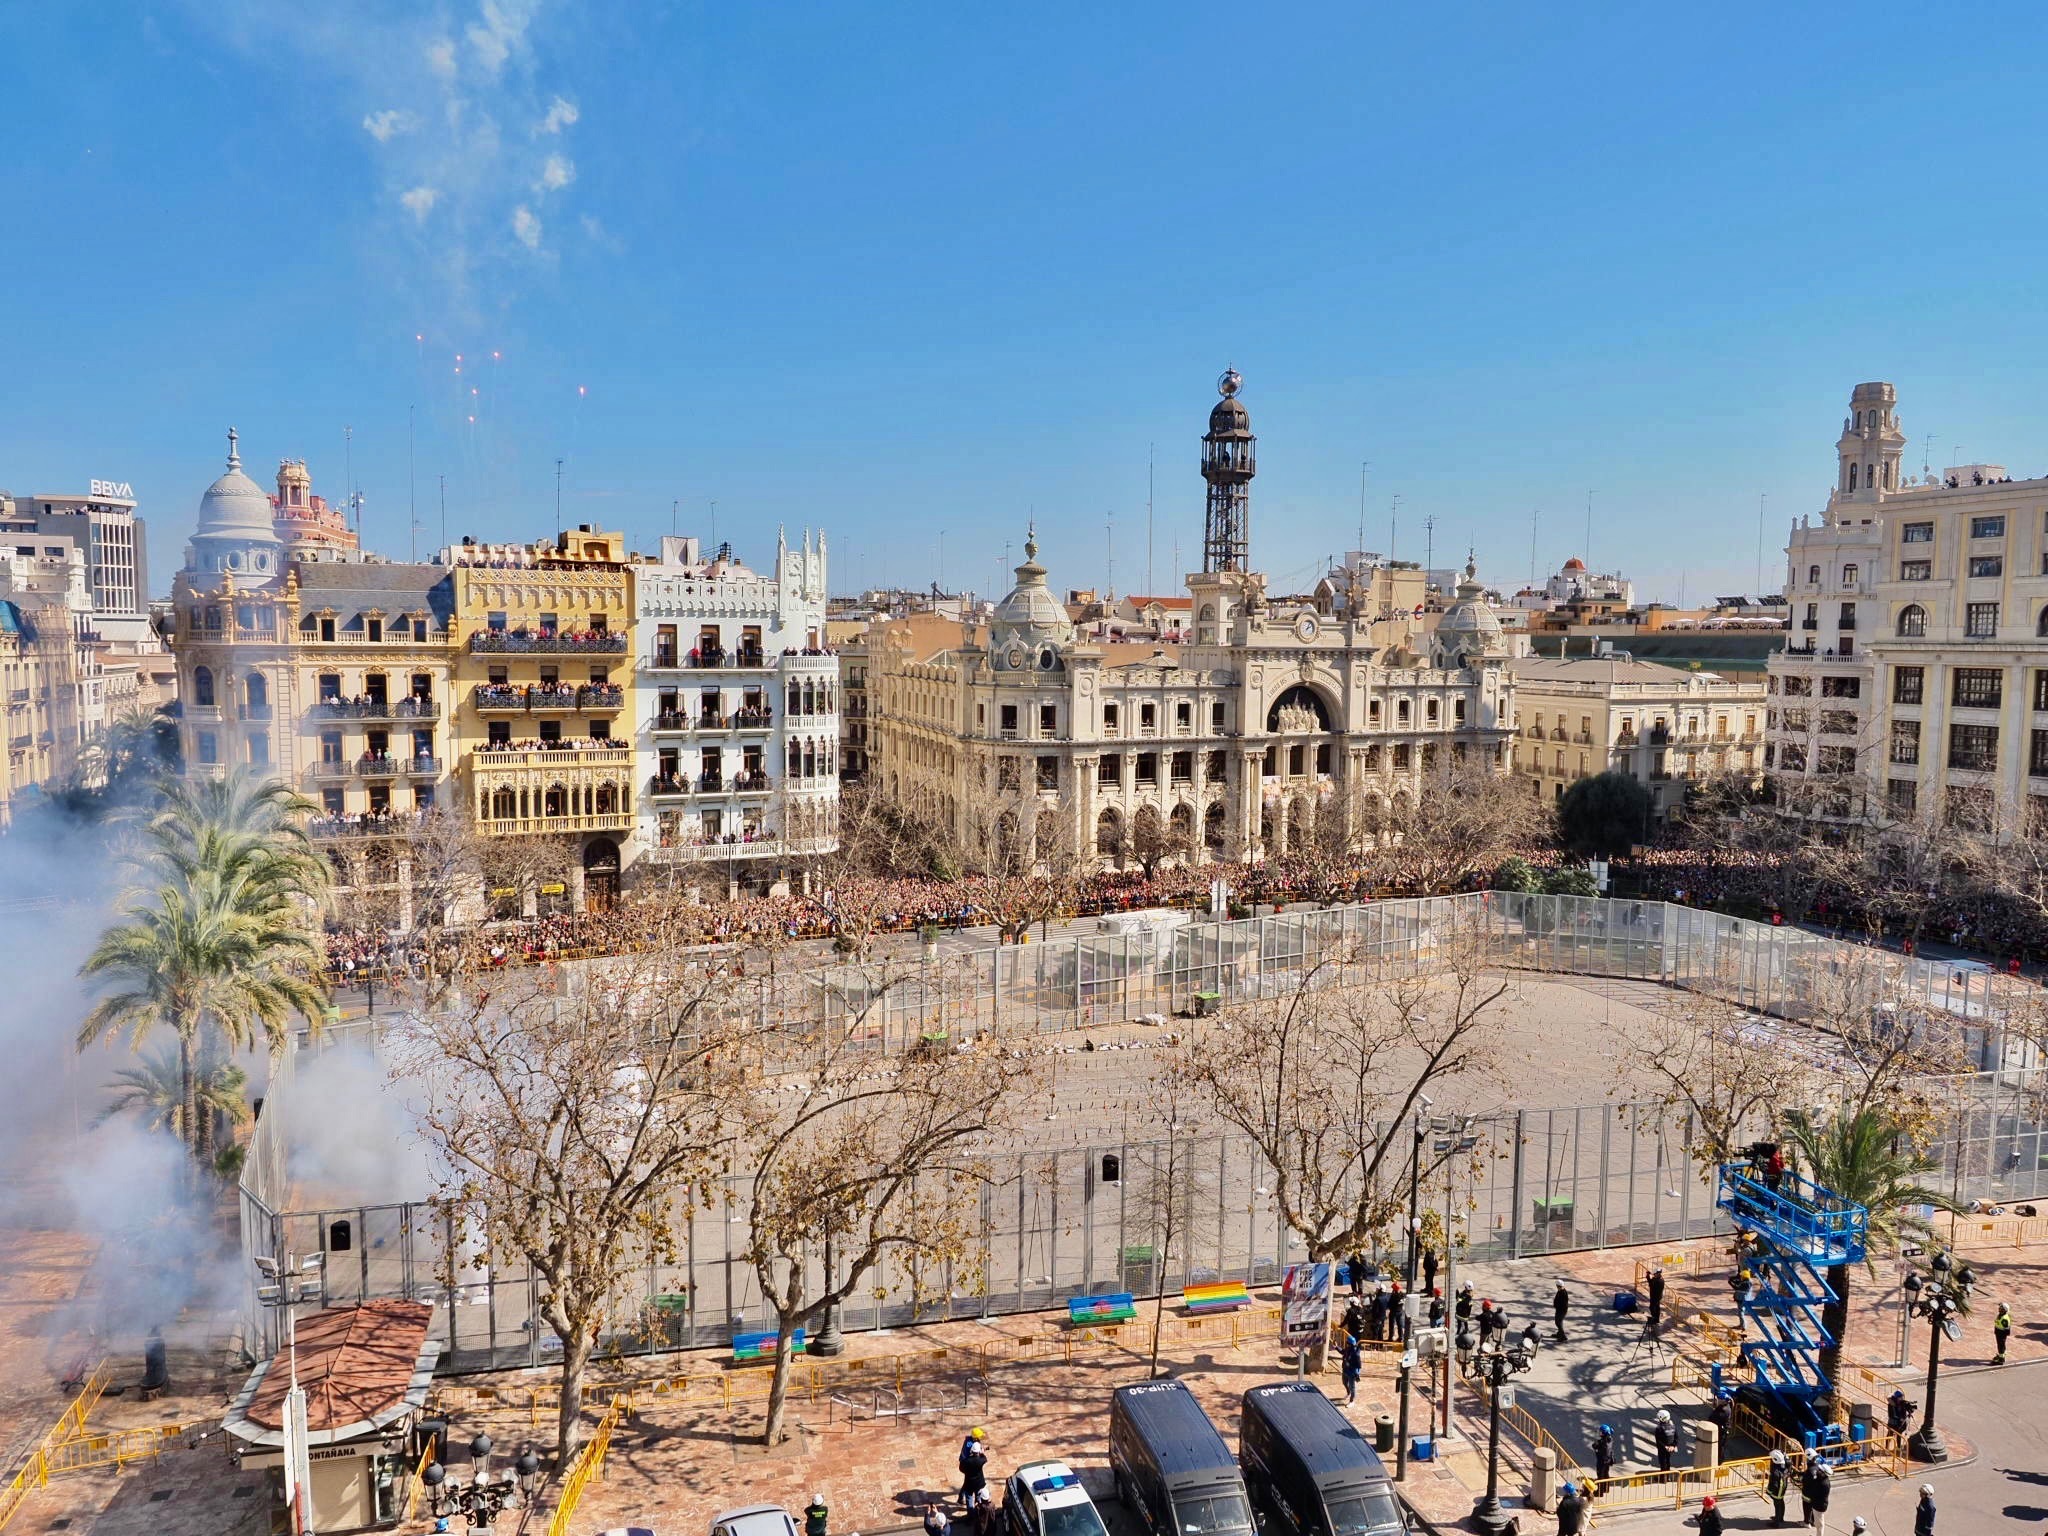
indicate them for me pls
(1109, 769)
(2037, 755)
(1216, 716)
(1006, 773)
(1009, 718)
(1792, 757)
(1837, 722)
(376, 630)
(1148, 767)
(1974, 747)
(495, 622)
(419, 635)
(327, 630)
(1109, 714)
(1795, 719)
(2040, 689)
(1841, 687)
(1916, 570)
(1148, 717)
(1183, 767)
(209, 747)
(1400, 754)
(1917, 533)
(1905, 741)
(1978, 688)
(1987, 527)
(1987, 565)
(331, 801)
(1296, 759)
(1184, 715)
(330, 746)
(1835, 760)
(1908, 684)
(1848, 618)
(1048, 719)
(1048, 773)
(1901, 796)
(1798, 687)
(1216, 768)
(1981, 621)
(259, 749)
(498, 732)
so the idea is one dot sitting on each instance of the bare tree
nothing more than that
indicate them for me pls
(1326, 1079)
(1154, 840)
(854, 1157)
(1463, 818)
(1168, 1201)
(577, 1132)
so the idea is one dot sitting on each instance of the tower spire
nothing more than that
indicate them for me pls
(234, 449)
(1228, 464)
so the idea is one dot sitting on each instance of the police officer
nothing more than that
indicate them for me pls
(1923, 1512)
(2001, 1330)
(815, 1516)
(1667, 1439)
(1815, 1485)
(1571, 1511)
(1603, 1456)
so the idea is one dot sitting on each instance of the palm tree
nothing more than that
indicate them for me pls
(218, 929)
(156, 1091)
(1865, 1158)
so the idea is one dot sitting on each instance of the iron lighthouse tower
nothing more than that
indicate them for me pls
(1229, 460)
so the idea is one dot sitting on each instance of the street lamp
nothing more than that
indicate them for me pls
(1938, 1298)
(1490, 1363)
(292, 1280)
(484, 1497)
(1407, 1370)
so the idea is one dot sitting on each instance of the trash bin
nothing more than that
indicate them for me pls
(1383, 1434)
(1205, 1004)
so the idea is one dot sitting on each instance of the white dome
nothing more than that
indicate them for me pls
(236, 507)
(1031, 614)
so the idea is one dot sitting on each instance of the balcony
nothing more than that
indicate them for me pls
(719, 660)
(751, 783)
(17, 696)
(713, 850)
(520, 642)
(372, 824)
(550, 754)
(514, 698)
(379, 766)
(254, 712)
(330, 769)
(738, 720)
(376, 709)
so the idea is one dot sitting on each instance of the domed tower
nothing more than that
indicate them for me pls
(1229, 460)
(1871, 443)
(1469, 630)
(236, 532)
(1029, 627)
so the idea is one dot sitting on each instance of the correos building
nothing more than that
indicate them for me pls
(736, 735)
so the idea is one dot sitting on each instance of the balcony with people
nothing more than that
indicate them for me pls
(546, 641)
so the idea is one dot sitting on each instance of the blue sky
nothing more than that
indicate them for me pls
(903, 269)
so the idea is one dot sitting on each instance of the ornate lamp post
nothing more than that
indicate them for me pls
(484, 1497)
(1490, 1363)
(1938, 1298)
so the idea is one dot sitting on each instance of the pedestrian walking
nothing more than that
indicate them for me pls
(1923, 1512)
(1655, 1322)
(1710, 1517)
(1560, 1307)
(973, 1465)
(1571, 1511)
(1354, 1366)
(816, 1517)
(1777, 1483)
(1603, 1457)
(2001, 1330)
(1667, 1439)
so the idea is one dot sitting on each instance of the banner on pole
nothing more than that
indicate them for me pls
(1304, 1304)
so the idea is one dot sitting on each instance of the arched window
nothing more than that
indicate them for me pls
(202, 687)
(1848, 575)
(555, 802)
(810, 760)
(1813, 575)
(793, 762)
(1109, 833)
(2041, 624)
(1913, 622)
(504, 805)
(256, 691)
(607, 799)
(792, 697)
(1852, 477)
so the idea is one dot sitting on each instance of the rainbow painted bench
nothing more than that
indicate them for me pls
(759, 1348)
(1217, 1296)
(1087, 1311)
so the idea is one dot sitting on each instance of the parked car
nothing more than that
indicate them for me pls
(1173, 1470)
(1045, 1498)
(755, 1520)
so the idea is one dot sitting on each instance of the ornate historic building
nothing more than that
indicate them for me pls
(736, 724)
(1274, 712)
(1915, 672)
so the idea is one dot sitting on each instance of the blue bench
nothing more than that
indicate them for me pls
(1120, 1307)
(754, 1348)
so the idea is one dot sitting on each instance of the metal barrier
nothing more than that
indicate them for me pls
(1647, 1490)
(34, 1473)
(1524, 1424)
(418, 1486)
(589, 1463)
(117, 1448)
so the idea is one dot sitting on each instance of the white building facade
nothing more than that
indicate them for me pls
(736, 738)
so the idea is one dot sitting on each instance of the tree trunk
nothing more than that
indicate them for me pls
(778, 1384)
(188, 1093)
(569, 1415)
(1834, 1317)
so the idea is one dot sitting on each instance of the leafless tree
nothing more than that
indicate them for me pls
(1169, 1200)
(578, 1132)
(1327, 1078)
(852, 1156)
(1462, 818)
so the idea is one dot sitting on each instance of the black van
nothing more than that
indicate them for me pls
(1172, 1469)
(1309, 1472)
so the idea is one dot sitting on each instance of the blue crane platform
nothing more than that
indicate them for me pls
(1800, 1229)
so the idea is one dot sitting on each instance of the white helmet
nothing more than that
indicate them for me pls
(1777, 1458)
(1927, 1490)
(1663, 1415)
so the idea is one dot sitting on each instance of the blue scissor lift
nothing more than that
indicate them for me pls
(1801, 1229)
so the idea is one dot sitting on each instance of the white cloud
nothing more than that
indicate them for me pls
(441, 57)
(388, 124)
(555, 173)
(526, 226)
(498, 32)
(561, 114)
(419, 202)
(599, 236)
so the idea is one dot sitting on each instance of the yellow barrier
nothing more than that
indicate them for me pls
(35, 1472)
(419, 1486)
(1644, 1490)
(1524, 1424)
(116, 1448)
(589, 1463)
